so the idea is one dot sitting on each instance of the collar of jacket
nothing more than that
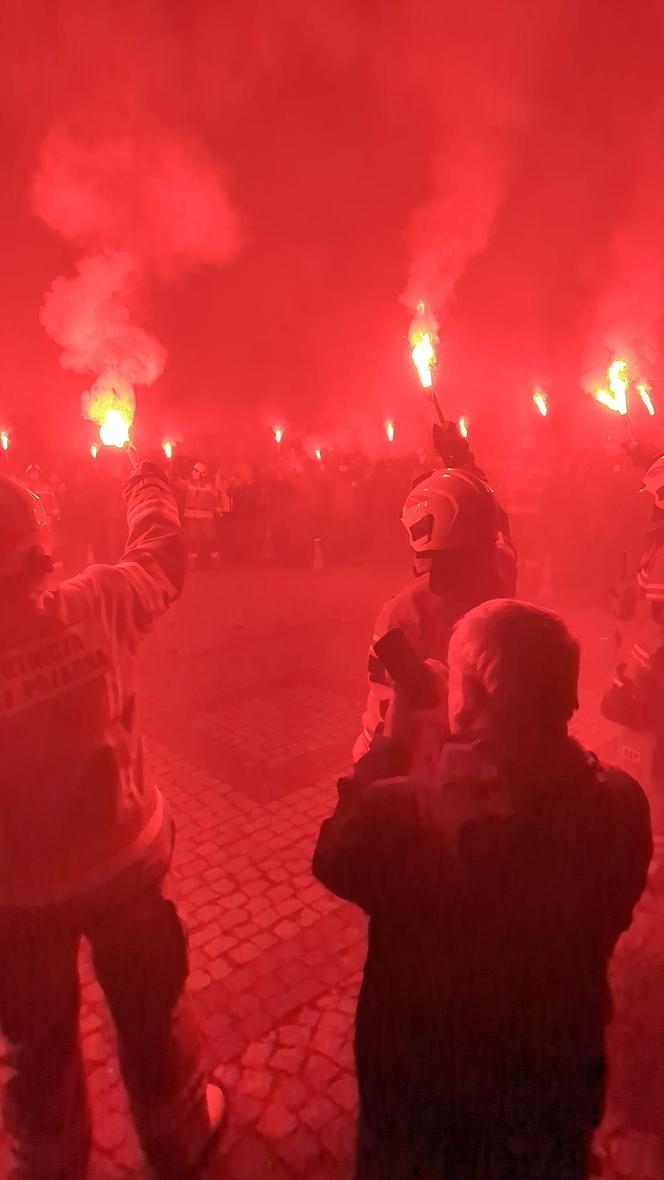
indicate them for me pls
(482, 777)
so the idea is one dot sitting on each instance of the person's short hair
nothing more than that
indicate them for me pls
(524, 660)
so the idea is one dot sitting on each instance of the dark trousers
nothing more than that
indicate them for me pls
(536, 1128)
(549, 1155)
(140, 958)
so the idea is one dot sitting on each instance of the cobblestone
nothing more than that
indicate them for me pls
(275, 959)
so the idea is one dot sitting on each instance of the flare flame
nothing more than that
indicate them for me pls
(615, 397)
(644, 394)
(111, 404)
(423, 336)
(541, 401)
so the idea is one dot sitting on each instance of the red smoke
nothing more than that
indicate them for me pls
(500, 162)
(137, 207)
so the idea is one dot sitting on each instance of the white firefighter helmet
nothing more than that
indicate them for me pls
(653, 481)
(450, 509)
(25, 541)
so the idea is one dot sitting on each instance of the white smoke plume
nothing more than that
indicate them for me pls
(138, 208)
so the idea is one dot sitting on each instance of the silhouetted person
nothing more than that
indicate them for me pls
(85, 841)
(496, 893)
(462, 556)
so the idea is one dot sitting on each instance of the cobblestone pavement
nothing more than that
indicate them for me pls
(251, 699)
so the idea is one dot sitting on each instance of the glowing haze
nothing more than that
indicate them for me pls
(499, 162)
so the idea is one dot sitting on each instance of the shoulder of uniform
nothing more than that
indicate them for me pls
(397, 608)
(625, 790)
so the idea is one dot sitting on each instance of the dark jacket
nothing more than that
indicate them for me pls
(495, 900)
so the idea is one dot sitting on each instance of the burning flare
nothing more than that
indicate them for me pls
(644, 394)
(463, 427)
(615, 398)
(94, 450)
(541, 401)
(423, 336)
(111, 404)
(278, 434)
(389, 430)
(4, 440)
(167, 448)
(318, 454)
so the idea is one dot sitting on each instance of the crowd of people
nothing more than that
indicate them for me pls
(498, 860)
(288, 507)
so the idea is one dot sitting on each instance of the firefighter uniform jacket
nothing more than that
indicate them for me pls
(201, 502)
(637, 695)
(427, 620)
(76, 807)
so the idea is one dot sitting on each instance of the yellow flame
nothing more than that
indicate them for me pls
(463, 427)
(94, 449)
(167, 448)
(615, 397)
(4, 440)
(424, 358)
(278, 434)
(389, 430)
(317, 453)
(111, 404)
(644, 394)
(541, 401)
(114, 430)
(422, 337)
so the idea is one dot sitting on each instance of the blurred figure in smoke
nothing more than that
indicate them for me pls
(463, 556)
(200, 516)
(636, 699)
(86, 841)
(496, 893)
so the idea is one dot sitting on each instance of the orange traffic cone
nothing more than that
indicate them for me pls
(317, 564)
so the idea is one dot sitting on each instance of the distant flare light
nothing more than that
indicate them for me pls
(541, 402)
(389, 430)
(463, 427)
(615, 397)
(278, 434)
(94, 450)
(4, 440)
(644, 394)
(318, 454)
(167, 448)
(423, 336)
